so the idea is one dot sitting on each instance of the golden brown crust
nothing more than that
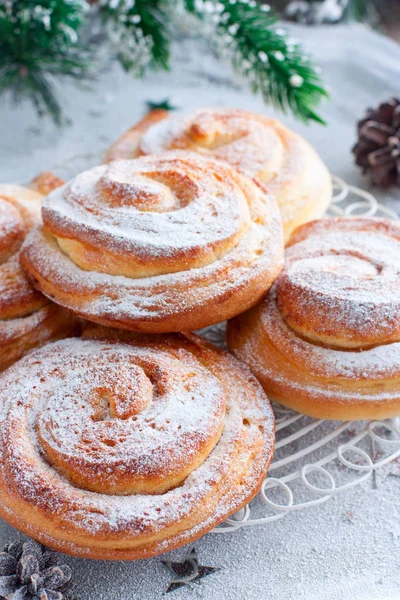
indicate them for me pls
(165, 465)
(157, 244)
(257, 146)
(326, 339)
(26, 317)
(45, 182)
(127, 145)
(18, 336)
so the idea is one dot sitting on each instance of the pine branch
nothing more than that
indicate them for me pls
(37, 44)
(40, 42)
(138, 31)
(274, 65)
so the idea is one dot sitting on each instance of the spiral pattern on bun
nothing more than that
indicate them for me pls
(157, 244)
(125, 449)
(258, 146)
(326, 339)
(27, 319)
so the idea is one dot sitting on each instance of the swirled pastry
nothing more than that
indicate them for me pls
(157, 244)
(124, 450)
(326, 339)
(27, 319)
(255, 145)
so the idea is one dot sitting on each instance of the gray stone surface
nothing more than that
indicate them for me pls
(348, 547)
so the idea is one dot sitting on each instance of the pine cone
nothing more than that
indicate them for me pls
(30, 571)
(378, 148)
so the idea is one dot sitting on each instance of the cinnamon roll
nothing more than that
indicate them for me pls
(157, 244)
(27, 318)
(257, 146)
(124, 450)
(326, 339)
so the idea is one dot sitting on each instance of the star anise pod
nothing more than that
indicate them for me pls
(378, 148)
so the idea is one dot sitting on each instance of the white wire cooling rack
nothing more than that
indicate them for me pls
(315, 459)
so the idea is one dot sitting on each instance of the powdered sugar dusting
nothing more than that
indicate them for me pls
(17, 217)
(345, 288)
(247, 142)
(169, 208)
(11, 229)
(330, 326)
(377, 363)
(26, 318)
(181, 414)
(255, 145)
(35, 416)
(248, 267)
